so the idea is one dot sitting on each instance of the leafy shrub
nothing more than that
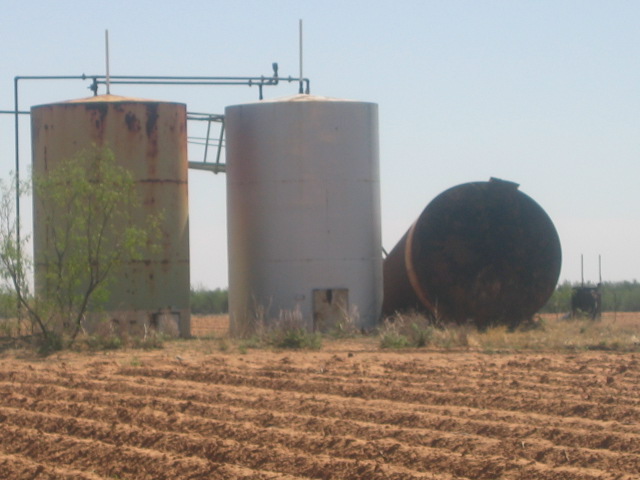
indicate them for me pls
(150, 341)
(295, 337)
(346, 326)
(393, 340)
(289, 331)
(104, 342)
(406, 330)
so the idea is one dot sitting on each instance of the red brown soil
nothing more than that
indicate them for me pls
(209, 325)
(352, 411)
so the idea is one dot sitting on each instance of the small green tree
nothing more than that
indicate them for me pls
(85, 208)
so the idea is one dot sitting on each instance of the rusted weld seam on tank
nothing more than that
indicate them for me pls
(411, 273)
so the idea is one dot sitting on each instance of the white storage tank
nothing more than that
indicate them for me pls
(303, 213)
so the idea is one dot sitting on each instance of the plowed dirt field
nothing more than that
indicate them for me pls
(190, 411)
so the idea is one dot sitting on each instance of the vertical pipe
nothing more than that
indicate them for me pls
(206, 142)
(599, 269)
(106, 46)
(220, 144)
(301, 90)
(17, 166)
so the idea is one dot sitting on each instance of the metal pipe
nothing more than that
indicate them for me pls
(204, 117)
(209, 167)
(599, 269)
(220, 145)
(17, 167)
(206, 143)
(200, 82)
(301, 77)
(106, 46)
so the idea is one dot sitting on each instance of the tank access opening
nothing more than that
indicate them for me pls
(330, 308)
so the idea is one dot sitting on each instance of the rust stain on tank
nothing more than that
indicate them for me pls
(152, 118)
(98, 113)
(133, 124)
(152, 139)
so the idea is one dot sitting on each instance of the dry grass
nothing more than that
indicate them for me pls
(615, 331)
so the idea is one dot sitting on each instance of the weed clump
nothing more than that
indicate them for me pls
(296, 338)
(394, 340)
(289, 331)
(407, 331)
(414, 330)
(105, 336)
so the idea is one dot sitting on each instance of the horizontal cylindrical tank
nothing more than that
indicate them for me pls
(303, 217)
(482, 252)
(149, 139)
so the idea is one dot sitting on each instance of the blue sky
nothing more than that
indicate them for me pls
(543, 93)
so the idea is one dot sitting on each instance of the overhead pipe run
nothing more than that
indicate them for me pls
(260, 82)
(109, 80)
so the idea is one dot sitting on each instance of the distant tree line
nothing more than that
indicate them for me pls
(203, 301)
(616, 297)
(209, 301)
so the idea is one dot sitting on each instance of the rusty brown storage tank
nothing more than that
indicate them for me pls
(149, 139)
(482, 252)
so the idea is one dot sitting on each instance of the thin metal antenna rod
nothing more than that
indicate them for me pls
(106, 46)
(300, 40)
(600, 268)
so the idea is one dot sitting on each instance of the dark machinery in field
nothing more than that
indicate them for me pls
(482, 252)
(587, 300)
